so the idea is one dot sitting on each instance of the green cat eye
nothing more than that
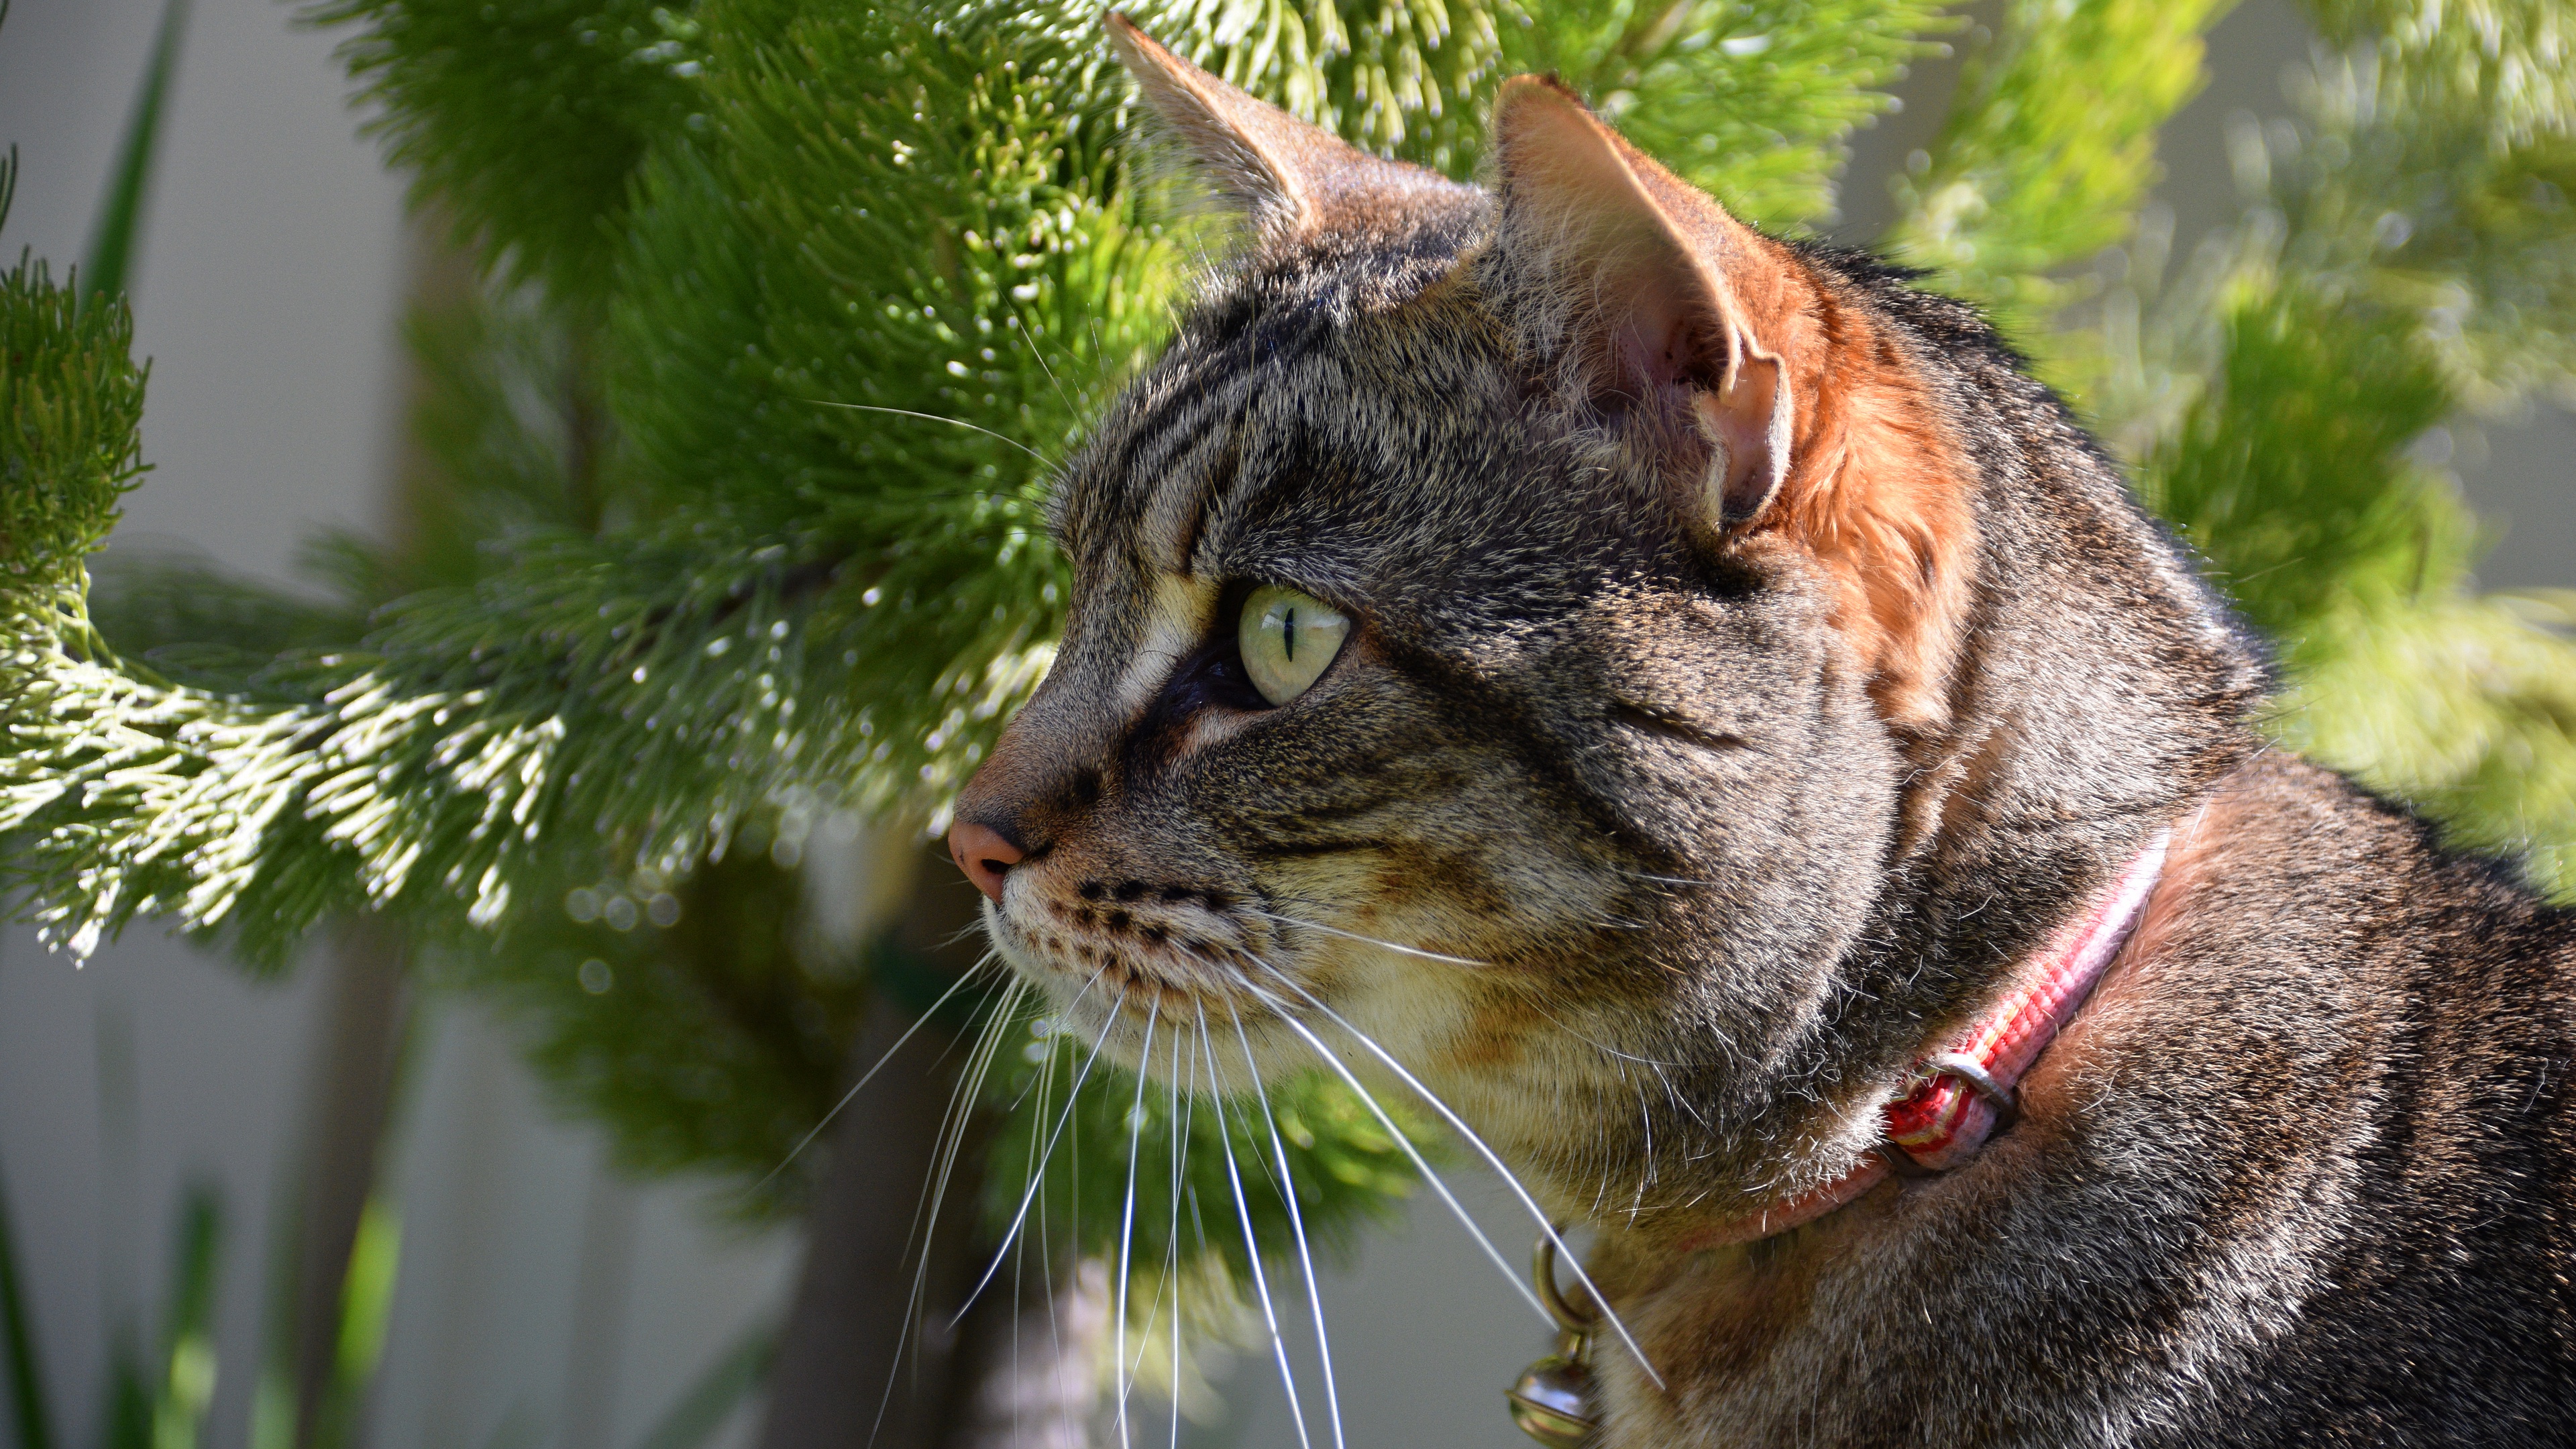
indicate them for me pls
(1287, 639)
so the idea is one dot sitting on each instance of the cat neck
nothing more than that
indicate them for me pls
(1964, 1093)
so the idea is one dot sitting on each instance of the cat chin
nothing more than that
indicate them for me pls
(1126, 1004)
(1181, 1040)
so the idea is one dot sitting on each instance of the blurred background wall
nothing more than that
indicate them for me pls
(539, 1300)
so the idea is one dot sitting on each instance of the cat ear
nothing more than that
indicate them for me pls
(1676, 307)
(1295, 179)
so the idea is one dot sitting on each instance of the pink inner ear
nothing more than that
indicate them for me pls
(1749, 425)
(1680, 350)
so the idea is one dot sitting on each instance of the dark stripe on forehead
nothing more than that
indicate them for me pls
(1110, 495)
(1216, 482)
(1155, 479)
(1202, 467)
(1188, 457)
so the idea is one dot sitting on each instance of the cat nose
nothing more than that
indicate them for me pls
(985, 854)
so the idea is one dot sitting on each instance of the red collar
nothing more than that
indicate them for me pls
(1962, 1094)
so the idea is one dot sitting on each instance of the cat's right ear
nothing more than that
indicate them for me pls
(1295, 180)
(1718, 358)
(1678, 315)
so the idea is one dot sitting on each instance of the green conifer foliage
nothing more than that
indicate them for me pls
(2515, 59)
(2048, 150)
(71, 404)
(2403, 262)
(526, 121)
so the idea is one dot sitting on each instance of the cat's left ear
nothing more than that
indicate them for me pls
(1679, 314)
(1297, 181)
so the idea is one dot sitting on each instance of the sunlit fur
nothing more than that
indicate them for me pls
(1658, 845)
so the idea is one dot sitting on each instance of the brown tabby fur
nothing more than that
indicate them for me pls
(1699, 759)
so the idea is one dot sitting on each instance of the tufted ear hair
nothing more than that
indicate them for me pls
(1675, 309)
(1296, 180)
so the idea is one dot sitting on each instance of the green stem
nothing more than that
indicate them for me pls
(120, 212)
(18, 1340)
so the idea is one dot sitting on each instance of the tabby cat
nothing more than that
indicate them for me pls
(1654, 686)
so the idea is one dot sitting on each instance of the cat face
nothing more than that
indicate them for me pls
(1629, 554)
(1491, 831)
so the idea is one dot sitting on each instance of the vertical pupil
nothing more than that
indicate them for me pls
(1288, 631)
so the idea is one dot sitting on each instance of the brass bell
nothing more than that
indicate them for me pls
(1553, 1402)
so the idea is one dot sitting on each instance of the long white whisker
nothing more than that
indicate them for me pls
(1172, 1257)
(1680, 880)
(865, 1077)
(1166, 1283)
(1492, 1158)
(1646, 1121)
(961, 1109)
(1046, 1254)
(1297, 1229)
(1365, 940)
(1019, 1295)
(1368, 1099)
(1071, 1096)
(1020, 330)
(1127, 1228)
(925, 1210)
(1251, 1244)
(1403, 950)
(935, 418)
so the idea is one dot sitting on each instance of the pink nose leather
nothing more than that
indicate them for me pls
(984, 855)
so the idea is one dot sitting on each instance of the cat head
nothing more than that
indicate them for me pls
(1644, 676)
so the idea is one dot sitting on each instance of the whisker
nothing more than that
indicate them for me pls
(1368, 1099)
(1297, 1216)
(1252, 1245)
(1296, 1229)
(934, 418)
(1020, 330)
(1676, 1098)
(865, 1077)
(1492, 1158)
(1046, 1260)
(1037, 1179)
(1646, 1123)
(962, 933)
(1558, 1021)
(1679, 880)
(1172, 1256)
(925, 1211)
(1366, 940)
(961, 1107)
(1127, 1228)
